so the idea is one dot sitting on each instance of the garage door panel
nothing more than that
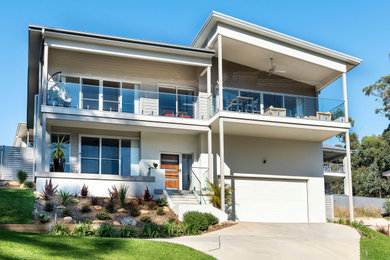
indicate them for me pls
(270, 200)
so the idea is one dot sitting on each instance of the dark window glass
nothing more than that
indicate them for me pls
(167, 102)
(273, 100)
(110, 156)
(90, 147)
(126, 158)
(66, 139)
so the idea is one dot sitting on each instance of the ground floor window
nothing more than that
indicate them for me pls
(115, 156)
(65, 138)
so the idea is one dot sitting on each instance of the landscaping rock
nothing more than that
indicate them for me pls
(121, 210)
(142, 211)
(97, 207)
(129, 222)
(61, 207)
(37, 194)
(75, 201)
(106, 200)
(67, 220)
(97, 221)
(166, 209)
(116, 223)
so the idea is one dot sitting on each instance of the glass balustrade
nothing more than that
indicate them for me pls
(282, 105)
(88, 97)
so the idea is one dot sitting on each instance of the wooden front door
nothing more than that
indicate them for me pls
(170, 162)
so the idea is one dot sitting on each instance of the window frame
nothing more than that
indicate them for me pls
(100, 152)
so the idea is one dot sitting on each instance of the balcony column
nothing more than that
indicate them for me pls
(348, 149)
(220, 78)
(45, 69)
(210, 155)
(208, 76)
(222, 163)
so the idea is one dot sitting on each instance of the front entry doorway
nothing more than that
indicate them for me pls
(170, 162)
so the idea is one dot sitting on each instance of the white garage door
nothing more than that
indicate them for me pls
(270, 200)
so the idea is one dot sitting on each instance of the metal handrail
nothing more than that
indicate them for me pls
(197, 192)
(334, 167)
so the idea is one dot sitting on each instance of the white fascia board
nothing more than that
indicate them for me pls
(266, 176)
(216, 17)
(284, 121)
(61, 113)
(134, 53)
(334, 174)
(279, 47)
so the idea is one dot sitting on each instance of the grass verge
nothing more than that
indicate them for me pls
(375, 248)
(35, 246)
(16, 206)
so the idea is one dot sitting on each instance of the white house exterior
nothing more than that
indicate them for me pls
(240, 104)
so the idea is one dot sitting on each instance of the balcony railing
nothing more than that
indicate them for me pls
(282, 105)
(334, 168)
(82, 96)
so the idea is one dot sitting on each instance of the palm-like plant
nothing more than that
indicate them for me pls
(59, 148)
(123, 191)
(215, 193)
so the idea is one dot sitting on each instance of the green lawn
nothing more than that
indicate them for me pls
(16, 206)
(378, 248)
(15, 245)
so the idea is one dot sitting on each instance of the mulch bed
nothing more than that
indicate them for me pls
(220, 226)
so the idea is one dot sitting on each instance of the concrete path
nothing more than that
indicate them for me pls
(277, 241)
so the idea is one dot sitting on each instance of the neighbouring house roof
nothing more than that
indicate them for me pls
(386, 174)
(216, 17)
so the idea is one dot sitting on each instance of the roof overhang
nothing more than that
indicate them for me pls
(252, 45)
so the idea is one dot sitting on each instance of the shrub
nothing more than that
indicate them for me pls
(162, 202)
(160, 212)
(387, 205)
(61, 230)
(343, 212)
(139, 198)
(110, 207)
(147, 196)
(194, 222)
(134, 212)
(174, 230)
(86, 221)
(211, 219)
(103, 216)
(152, 230)
(84, 191)
(28, 184)
(83, 229)
(85, 208)
(127, 232)
(76, 194)
(49, 190)
(106, 230)
(66, 213)
(215, 193)
(171, 220)
(114, 194)
(64, 196)
(43, 218)
(49, 207)
(152, 206)
(123, 191)
(22, 176)
(94, 201)
(146, 219)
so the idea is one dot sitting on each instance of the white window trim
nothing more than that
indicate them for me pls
(100, 151)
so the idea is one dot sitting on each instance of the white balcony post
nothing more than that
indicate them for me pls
(220, 78)
(210, 155)
(208, 76)
(222, 163)
(348, 149)
(45, 73)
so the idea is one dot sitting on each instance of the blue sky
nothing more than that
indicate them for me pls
(358, 28)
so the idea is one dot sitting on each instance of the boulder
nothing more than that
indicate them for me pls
(129, 222)
(121, 210)
(142, 211)
(97, 221)
(116, 223)
(75, 201)
(61, 207)
(67, 220)
(37, 194)
(166, 209)
(97, 207)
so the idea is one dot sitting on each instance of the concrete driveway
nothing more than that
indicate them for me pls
(277, 241)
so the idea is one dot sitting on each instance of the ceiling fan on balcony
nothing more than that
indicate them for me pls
(273, 69)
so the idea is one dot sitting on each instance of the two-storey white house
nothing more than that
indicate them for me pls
(240, 105)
